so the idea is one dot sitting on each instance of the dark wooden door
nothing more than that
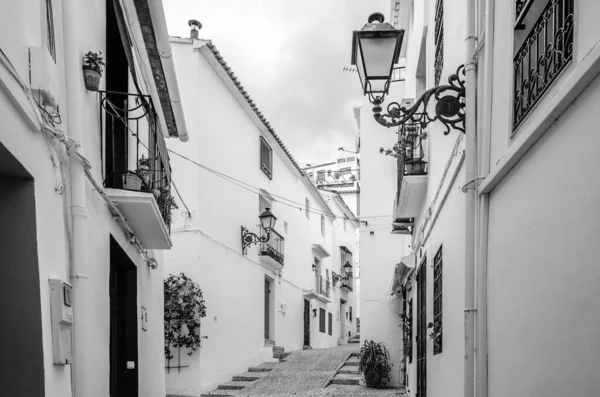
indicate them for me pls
(306, 323)
(123, 324)
(267, 299)
(422, 330)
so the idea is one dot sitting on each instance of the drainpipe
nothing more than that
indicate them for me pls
(79, 278)
(164, 49)
(470, 201)
(482, 249)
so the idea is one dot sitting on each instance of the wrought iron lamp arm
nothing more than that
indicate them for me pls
(449, 109)
(249, 238)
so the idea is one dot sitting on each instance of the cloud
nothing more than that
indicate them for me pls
(289, 55)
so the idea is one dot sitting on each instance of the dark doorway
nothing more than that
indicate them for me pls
(306, 323)
(21, 353)
(422, 330)
(267, 308)
(123, 323)
(117, 81)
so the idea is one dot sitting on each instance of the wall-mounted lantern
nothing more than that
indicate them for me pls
(314, 312)
(267, 222)
(347, 269)
(314, 267)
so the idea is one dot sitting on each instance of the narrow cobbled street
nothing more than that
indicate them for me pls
(318, 372)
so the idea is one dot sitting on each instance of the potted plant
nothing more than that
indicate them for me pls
(374, 364)
(144, 169)
(435, 335)
(92, 70)
(132, 181)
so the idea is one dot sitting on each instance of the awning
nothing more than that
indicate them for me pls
(401, 272)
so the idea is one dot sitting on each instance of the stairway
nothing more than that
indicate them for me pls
(355, 339)
(241, 381)
(347, 374)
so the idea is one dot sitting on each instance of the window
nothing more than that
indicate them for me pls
(439, 40)
(322, 320)
(266, 158)
(285, 227)
(323, 225)
(320, 177)
(350, 313)
(543, 41)
(330, 323)
(349, 159)
(437, 301)
(310, 175)
(50, 40)
(307, 208)
(344, 224)
(341, 161)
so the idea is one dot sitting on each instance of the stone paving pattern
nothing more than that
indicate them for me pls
(305, 373)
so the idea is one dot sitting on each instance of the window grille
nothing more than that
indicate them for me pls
(350, 313)
(544, 54)
(322, 320)
(437, 301)
(439, 40)
(330, 323)
(266, 158)
(50, 30)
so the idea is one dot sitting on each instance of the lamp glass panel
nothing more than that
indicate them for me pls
(360, 66)
(377, 85)
(378, 55)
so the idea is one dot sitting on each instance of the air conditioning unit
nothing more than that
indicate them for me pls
(44, 77)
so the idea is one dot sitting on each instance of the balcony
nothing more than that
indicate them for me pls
(338, 178)
(347, 282)
(322, 289)
(412, 181)
(136, 166)
(271, 252)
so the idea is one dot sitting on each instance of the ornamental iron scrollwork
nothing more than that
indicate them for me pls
(449, 108)
(249, 238)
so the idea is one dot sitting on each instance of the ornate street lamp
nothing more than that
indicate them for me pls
(267, 222)
(375, 49)
(347, 270)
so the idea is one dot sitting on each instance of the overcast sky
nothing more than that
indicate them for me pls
(289, 55)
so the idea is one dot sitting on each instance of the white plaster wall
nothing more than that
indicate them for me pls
(547, 325)
(207, 245)
(381, 251)
(30, 149)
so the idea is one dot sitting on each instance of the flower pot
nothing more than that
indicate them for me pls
(372, 381)
(92, 77)
(132, 182)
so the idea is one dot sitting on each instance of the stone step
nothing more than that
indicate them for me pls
(269, 342)
(305, 347)
(221, 393)
(234, 385)
(345, 379)
(278, 349)
(264, 367)
(351, 363)
(249, 376)
(349, 370)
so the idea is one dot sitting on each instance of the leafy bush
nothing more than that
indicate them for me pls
(184, 307)
(374, 364)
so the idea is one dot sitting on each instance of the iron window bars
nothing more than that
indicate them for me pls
(439, 40)
(544, 54)
(437, 302)
(266, 158)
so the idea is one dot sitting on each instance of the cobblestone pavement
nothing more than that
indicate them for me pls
(305, 374)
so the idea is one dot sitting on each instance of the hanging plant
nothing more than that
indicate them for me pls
(166, 203)
(374, 364)
(184, 307)
(406, 335)
(92, 69)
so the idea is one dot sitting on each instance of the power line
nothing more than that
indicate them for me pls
(249, 187)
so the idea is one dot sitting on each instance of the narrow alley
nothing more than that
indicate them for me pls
(319, 372)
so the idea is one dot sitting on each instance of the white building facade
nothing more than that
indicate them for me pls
(276, 293)
(533, 309)
(82, 251)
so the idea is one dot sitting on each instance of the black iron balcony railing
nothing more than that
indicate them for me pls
(274, 247)
(339, 177)
(544, 54)
(134, 151)
(521, 9)
(413, 150)
(323, 286)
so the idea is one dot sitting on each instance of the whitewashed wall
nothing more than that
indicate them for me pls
(19, 29)
(226, 138)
